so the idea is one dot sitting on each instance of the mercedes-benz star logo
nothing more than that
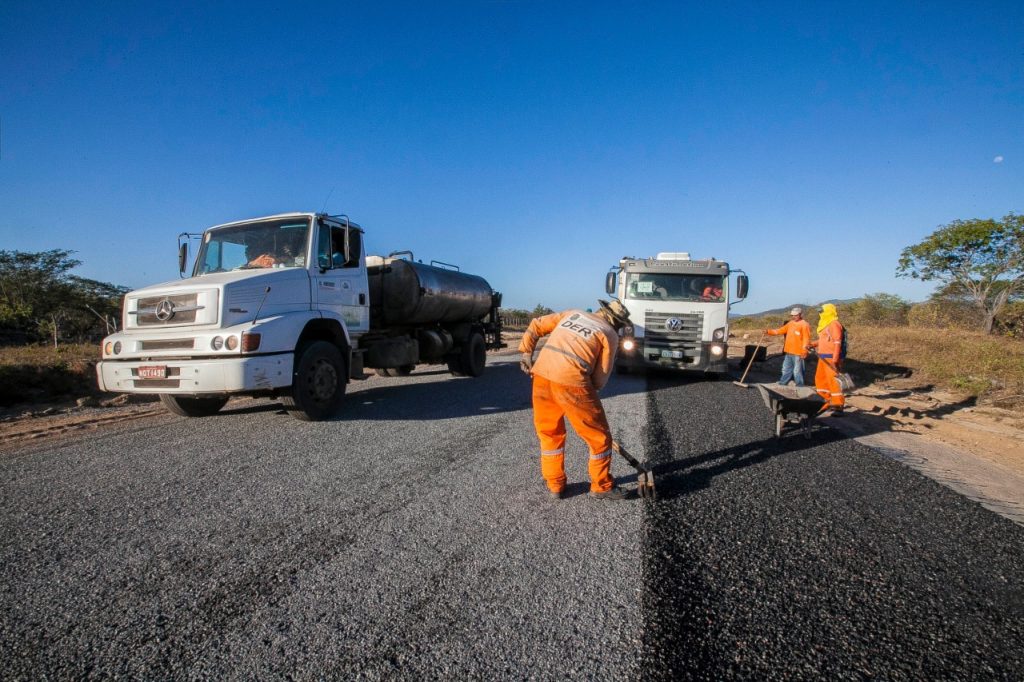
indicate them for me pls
(164, 310)
(674, 324)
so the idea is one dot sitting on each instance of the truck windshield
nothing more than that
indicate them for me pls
(671, 287)
(262, 244)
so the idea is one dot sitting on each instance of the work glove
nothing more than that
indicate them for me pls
(526, 362)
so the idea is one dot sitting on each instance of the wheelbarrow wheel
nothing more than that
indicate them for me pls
(779, 421)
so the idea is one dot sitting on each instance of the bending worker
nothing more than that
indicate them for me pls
(831, 353)
(798, 340)
(572, 366)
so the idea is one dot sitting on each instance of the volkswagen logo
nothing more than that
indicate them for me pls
(164, 310)
(673, 324)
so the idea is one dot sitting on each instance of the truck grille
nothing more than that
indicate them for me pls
(687, 338)
(156, 311)
(168, 344)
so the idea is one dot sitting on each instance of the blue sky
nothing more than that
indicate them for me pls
(533, 143)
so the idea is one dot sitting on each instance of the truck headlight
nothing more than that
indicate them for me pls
(216, 343)
(232, 342)
(108, 348)
(719, 334)
(717, 350)
(628, 344)
(117, 348)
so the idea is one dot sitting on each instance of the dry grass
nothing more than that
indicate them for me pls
(45, 373)
(968, 362)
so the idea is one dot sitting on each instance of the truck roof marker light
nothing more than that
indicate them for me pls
(250, 342)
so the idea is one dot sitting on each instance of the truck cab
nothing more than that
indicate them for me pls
(277, 306)
(679, 311)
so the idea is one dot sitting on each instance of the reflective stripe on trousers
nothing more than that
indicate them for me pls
(827, 385)
(552, 404)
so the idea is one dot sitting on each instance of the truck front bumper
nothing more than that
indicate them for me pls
(640, 357)
(196, 377)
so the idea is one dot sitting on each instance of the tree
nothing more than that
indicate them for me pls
(39, 297)
(541, 310)
(980, 260)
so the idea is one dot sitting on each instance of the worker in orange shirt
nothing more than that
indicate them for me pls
(570, 369)
(830, 346)
(798, 340)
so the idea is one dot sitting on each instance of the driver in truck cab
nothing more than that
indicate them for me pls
(570, 369)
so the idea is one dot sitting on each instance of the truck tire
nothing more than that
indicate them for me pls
(318, 382)
(472, 358)
(192, 407)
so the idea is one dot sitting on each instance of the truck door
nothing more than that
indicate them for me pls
(340, 279)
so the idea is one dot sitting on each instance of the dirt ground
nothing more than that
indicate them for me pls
(977, 449)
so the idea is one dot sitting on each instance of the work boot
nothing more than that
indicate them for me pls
(614, 493)
(557, 494)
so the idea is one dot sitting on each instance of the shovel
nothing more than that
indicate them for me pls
(749, 363)
(644, 476)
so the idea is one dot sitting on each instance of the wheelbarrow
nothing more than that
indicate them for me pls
(797, 405)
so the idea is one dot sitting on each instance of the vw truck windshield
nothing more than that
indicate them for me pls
(281, 243)
(672, 287)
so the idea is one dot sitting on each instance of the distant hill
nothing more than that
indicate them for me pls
(784, 311)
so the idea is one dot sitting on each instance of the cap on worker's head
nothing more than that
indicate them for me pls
(615, 310)
(796, 311)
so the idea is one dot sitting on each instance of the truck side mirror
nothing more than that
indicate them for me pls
(182, 257)
(609, 283)
(742, 284)
(353, 247)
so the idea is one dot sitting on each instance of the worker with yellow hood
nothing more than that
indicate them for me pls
(570, 369)
(831, 349)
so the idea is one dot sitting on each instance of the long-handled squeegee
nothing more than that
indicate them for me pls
(644, 477)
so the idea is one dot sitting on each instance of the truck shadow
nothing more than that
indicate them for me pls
(503, 387)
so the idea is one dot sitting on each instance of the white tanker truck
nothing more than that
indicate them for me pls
(288, 306)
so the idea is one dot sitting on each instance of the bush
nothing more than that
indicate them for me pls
(880, 310)
(938, 314)
(1011, 320)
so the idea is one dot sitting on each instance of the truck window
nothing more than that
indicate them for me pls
(671, 287)
(331, 248)
(261, 244)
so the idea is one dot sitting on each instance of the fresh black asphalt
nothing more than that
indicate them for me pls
(412, 538)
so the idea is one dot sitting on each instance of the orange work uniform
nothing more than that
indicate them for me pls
(798, 337)
(571, 367)
(830, 343)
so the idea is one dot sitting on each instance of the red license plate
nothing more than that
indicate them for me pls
(153, 372)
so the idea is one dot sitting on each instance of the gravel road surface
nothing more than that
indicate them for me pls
(413, 538)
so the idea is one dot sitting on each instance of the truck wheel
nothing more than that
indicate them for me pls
(383, 372)
(318, 383)
(403, 371)
(192, 407)
(473, 356)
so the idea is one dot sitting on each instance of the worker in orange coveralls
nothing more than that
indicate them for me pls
(829, 345)
(571, 367)
(798, 340)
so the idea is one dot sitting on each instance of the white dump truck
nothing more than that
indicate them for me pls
(289, 307)
(678, 309)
